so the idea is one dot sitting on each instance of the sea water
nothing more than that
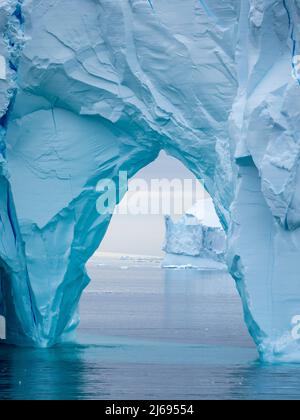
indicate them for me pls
(149, 333)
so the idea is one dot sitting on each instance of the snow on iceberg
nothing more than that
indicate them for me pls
(93, 88)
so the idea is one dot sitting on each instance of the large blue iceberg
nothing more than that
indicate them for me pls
(89, 88)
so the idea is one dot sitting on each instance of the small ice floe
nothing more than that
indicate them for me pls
(181, 267)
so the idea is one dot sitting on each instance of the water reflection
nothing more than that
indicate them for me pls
(260, 381)
(138, 370)
(31, 374)
(204, 307)
(198, 282)
(151, 334)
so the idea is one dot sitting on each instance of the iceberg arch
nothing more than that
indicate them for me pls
(95, 87)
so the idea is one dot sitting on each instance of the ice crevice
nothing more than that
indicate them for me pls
(104, 91)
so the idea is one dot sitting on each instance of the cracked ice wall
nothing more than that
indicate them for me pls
(264, 234)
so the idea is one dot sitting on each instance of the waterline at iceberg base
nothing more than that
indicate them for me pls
(93, 88)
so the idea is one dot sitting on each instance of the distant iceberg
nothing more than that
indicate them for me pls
(190, 243)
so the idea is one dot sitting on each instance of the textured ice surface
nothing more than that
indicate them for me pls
(96, 87)
(191, 243)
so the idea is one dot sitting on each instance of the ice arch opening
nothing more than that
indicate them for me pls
(59, 245)
(163, 188)
(215, 85)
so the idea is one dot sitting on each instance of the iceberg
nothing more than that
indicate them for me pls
(192, 242)
(189, 244)
(91, 88)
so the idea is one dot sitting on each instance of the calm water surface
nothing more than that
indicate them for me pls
(148, 333)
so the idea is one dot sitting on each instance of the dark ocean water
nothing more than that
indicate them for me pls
(148, 333)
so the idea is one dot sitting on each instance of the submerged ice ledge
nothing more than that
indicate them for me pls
(212, 83)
